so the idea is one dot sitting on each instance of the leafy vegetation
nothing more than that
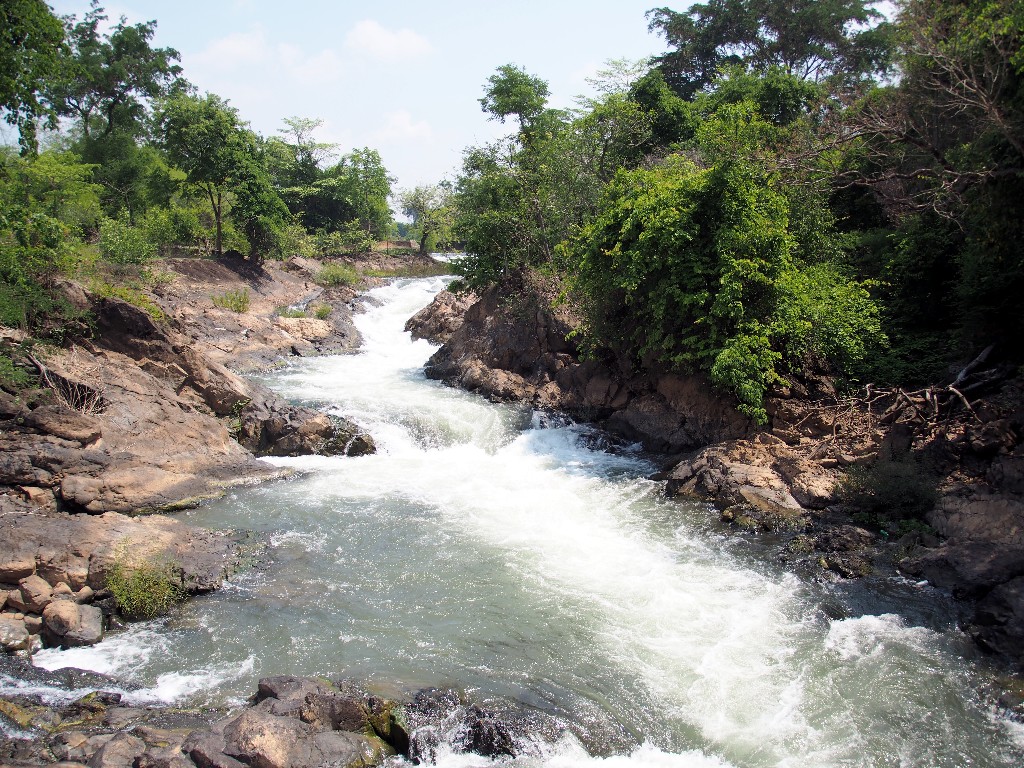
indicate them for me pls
(236, 300)
(335, 274)
(143, 589)
(769, 199)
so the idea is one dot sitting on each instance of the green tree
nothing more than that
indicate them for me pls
(811, 39)
(31, 46)
(107, 79)
(204, 138)
(430, 208)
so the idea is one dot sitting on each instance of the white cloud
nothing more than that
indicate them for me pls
(370, 38)
(262, 62)
(401, 125)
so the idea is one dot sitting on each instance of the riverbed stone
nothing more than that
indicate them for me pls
(36, 593)
(13, 634)
(122, 751)
(62, 617)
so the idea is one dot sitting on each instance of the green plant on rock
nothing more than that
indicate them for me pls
(333, 275)
(322, 311)
(123, 243)
(236, 300)
(290, 312)
(144, 589)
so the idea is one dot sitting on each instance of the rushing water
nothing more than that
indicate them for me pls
(483, 549)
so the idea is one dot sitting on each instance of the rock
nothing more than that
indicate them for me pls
(483, 734)
(90, 629)
(62, 617)
(78, 549)
(17, 561)
(13, 634)
(262, 740)
(36, 593)
(66, 423)
(61, 591)
(331, 711)
(440, 319)
(85, 594)
(122, 751)
(998, 621)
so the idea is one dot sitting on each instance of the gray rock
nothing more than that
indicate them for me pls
(36, 593)
(121, 751)
(13, 634)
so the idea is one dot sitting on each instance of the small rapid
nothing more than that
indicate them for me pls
(498, 551)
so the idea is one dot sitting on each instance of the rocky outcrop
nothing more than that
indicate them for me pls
(512, 346)
(440, 319)
(53, 567)
(144, 418)
(291, 722)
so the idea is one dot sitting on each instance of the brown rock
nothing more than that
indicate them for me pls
(122, 751)
(16, 562)
(62, 617)
(64, 422)
(36, 593)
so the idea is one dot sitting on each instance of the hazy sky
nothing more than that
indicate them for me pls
(400, 76)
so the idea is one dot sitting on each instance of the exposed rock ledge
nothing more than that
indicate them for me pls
(511, 346)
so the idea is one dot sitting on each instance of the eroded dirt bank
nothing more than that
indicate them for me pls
(792, 476)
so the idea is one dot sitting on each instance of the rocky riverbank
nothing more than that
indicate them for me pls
(72, 718)
(828, 473)
(148, 413)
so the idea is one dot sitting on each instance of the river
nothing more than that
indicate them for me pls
(506, 554)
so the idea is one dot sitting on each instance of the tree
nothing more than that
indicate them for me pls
(511, 91)
(106, 78)
(812, 39)
(429, 207)
(309, 155)
(31, 45)
(203, 137)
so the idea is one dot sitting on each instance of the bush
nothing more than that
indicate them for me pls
(892, 495)
(11, 375)
(236, 301)
(290, 312)
(144, 590)
(332, 275)
(322, 311)
(123, 243)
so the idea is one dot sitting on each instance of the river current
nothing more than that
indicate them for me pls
(507, 554)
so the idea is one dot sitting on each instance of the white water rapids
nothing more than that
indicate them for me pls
(484, 550)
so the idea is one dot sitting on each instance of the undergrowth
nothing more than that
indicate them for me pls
(143, 589)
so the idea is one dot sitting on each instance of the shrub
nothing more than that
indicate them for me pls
(331, 275)
(144, 590)
(128, 293)
(123, 243)
(893, 495)
(290, 312)
(11, 375)
(236, 301)
(322, 311)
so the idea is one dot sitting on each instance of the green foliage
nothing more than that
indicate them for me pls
(694, 267)
(322, 311)
(512, 91)
(236, 300)
(333, 275)
(12, 376)
(129, 291)
(30, 51)
(811, 39)
(290, 312)
(893, 495)
(122, 243)
(142, 589)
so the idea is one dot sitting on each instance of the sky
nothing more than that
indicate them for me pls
(400, 76)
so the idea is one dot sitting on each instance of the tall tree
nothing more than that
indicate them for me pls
(429, 207)
(31, 44)
(202, 136)
(812, 39)
(106, 78)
